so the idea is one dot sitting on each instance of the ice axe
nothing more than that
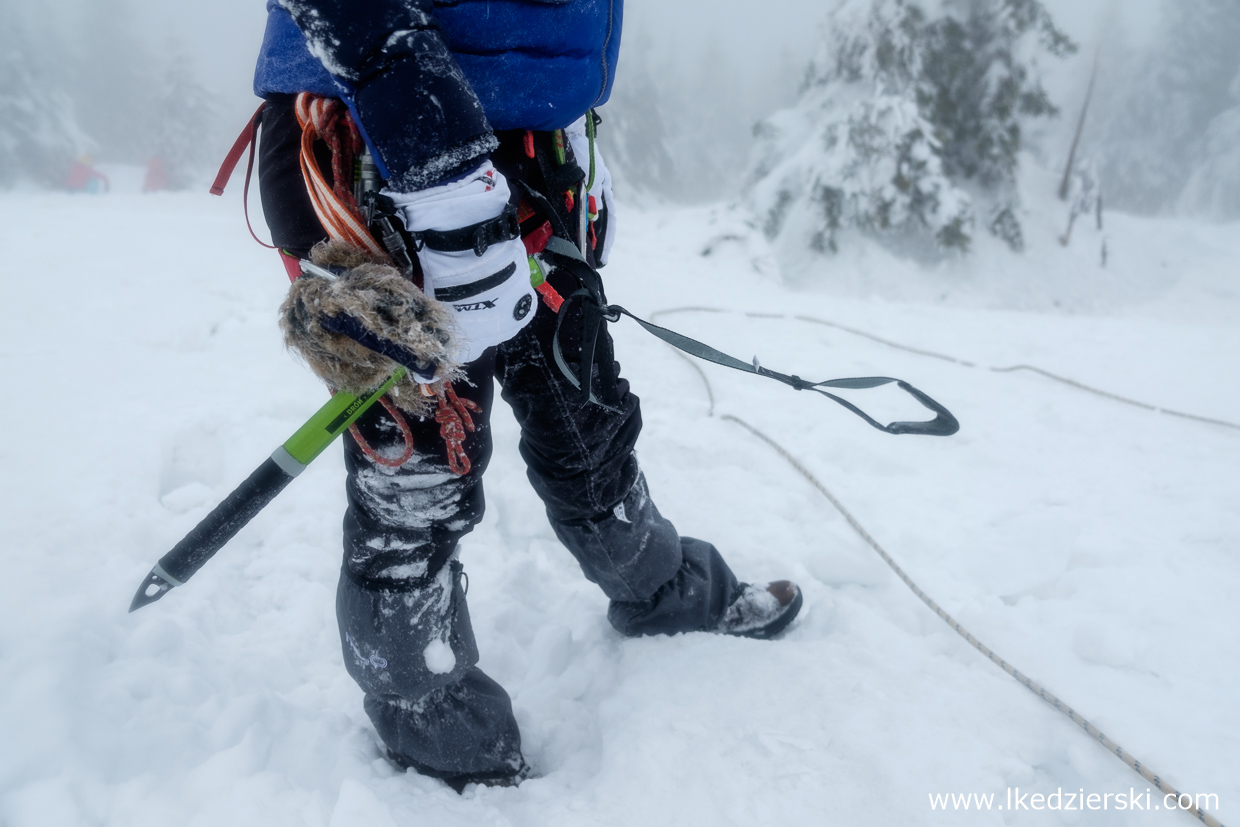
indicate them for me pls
(259, 489)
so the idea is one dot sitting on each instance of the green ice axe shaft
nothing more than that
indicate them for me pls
(259, 489)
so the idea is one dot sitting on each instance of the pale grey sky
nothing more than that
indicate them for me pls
(224, 35)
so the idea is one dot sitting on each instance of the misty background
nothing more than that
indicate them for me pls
(125, 80)
(773, 186)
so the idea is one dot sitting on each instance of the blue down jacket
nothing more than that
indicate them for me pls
(428, 80)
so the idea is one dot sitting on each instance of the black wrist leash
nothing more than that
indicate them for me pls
(596, 353)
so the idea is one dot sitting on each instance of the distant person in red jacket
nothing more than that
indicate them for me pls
(157, 178)
(83, 177)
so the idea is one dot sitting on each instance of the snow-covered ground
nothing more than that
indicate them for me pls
(1092, 544)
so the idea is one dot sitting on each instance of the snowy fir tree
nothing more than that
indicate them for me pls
(1173, 114)
(1213, 187)
(678, 124)
(1170, 136)
(634, 131)
(115, 83)
(705, 155)
(910, 125)
(713, 109)
(185, 123)
(39, 133)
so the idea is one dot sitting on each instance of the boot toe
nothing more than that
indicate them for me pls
(762, 611)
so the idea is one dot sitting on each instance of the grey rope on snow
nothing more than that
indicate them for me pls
(962, 362)
(1030, 684)
(1108, 395)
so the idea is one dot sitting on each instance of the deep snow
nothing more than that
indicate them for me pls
(1090, 543)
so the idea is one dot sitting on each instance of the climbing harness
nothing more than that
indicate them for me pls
(336, 205)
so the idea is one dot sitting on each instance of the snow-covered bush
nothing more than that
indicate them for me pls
(909, 123)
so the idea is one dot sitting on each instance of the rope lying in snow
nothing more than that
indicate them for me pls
(963, 362)
(1030, 684)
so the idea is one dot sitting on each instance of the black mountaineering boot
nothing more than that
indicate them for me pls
(761, 611)
(459, 782)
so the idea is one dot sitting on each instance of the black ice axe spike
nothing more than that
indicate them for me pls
(254, 494)
(216, 529)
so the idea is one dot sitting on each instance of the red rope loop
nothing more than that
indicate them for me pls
(454, 420)
(405, 431)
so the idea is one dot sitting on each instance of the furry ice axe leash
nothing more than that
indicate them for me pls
(259, 489)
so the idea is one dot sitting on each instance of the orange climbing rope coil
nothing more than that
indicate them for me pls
(328, 120)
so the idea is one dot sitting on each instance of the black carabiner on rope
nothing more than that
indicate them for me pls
(592, 324)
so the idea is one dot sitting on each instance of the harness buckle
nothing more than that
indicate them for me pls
(504, 227)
